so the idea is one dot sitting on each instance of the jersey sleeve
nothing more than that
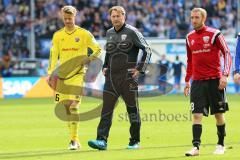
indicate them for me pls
(93, 44)
(106, 60)
(221, 43)
(140, 42)
(54, 54)
(189, 63)
(107, 55)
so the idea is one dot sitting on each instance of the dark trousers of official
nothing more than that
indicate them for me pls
(119, 85)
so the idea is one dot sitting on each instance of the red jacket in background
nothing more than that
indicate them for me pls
(204, 48)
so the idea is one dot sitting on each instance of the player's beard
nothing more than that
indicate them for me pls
(199, 26)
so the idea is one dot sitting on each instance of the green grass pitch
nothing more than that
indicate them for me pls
(29, 130)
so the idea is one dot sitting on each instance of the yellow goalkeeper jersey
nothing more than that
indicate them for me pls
(70, 49)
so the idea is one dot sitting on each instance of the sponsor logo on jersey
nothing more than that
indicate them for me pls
(201, 51)
(206, 39)
(123, 37)
(70, 49)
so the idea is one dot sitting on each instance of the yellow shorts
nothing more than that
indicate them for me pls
(70, 89)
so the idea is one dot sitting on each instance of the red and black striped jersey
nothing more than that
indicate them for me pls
(204, 49)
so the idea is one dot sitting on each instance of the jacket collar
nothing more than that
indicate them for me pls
(120, 28)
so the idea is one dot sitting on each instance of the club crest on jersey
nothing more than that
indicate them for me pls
(77, 39)
(206, 39)
(123, 36)
(192, 42)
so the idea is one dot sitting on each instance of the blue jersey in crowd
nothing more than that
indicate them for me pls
(237, 56)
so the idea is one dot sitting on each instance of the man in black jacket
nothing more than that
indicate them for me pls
(121, 69)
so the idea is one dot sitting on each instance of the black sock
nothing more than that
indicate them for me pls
(221, 132)
(197, 132)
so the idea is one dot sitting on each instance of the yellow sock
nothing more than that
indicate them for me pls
(74, 123)
(73, 128)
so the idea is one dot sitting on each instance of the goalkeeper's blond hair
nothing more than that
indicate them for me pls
(69, 10)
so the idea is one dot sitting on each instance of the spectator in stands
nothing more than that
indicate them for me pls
(163, 65)
(162, 19)
(177, 66)
(6, 67)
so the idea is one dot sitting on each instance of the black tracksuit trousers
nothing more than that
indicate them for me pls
(119, 84)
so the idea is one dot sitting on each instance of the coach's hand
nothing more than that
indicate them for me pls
(236, 78)
(222, 82)
(187, 89)
(135, 73)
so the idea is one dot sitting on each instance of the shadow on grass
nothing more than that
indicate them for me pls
(42, 153)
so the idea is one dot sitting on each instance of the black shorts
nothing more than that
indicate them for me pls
(205, 94)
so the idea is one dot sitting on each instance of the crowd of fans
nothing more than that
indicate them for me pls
(165, 19)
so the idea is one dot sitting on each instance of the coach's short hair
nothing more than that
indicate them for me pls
(201, 10)
(117, 8)
(69, 10)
